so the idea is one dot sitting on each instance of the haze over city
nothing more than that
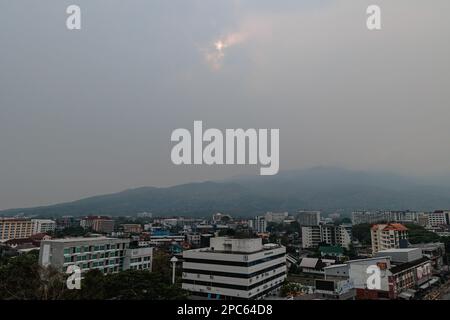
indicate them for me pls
(91, 112)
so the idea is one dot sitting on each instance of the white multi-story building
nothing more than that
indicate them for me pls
(437, 218)
(234, 269)
(359, 217)
(109, 255)
(276, 217)
(388, 236)
(311, 236)
(43, 225)
(331, 234)
(138, 258)
(193, 238)
(259, 224)
(308, 218)
(344, 235)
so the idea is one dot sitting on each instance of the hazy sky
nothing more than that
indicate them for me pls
(91, 111)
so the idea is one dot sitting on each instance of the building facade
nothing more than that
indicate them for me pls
(335, 235)
(132, 228)
(276, 217)
(311, 237)
(259, 224)
(234, 269)
(43, 225)
(436, 218)
(15, 228)
(388, 236)
(108, 255)
(138, 258)
(308, 218)
(102, 224)
(359, 217)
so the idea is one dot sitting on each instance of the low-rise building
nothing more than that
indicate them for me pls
(392, 274)
(315, 265)
(336, 285)
(138, 258)
(132, 228)
(433, 251)
(194, 239)
(164, 237)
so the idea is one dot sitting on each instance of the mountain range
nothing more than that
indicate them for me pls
(321, 188)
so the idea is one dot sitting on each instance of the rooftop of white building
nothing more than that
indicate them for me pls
(236, 245)
(81, 239)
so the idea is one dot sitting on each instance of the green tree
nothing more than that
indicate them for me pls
(418, 234)
(361, 232)
(22, 278)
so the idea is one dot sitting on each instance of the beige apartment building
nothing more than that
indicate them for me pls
(15, 228)
(388, 236)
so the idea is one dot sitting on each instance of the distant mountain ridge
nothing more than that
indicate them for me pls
(321, 188)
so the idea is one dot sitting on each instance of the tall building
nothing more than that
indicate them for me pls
(344, 235)
(109, 255)
(98, 223)
(388, 236)
(66, 222)
(422, 220)
(436, 218)
(43, 225)
(276, 217)
(259, 224)
(15, 228)
(234, 269)
(335, 235)
(308, 218)
(311, 236)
